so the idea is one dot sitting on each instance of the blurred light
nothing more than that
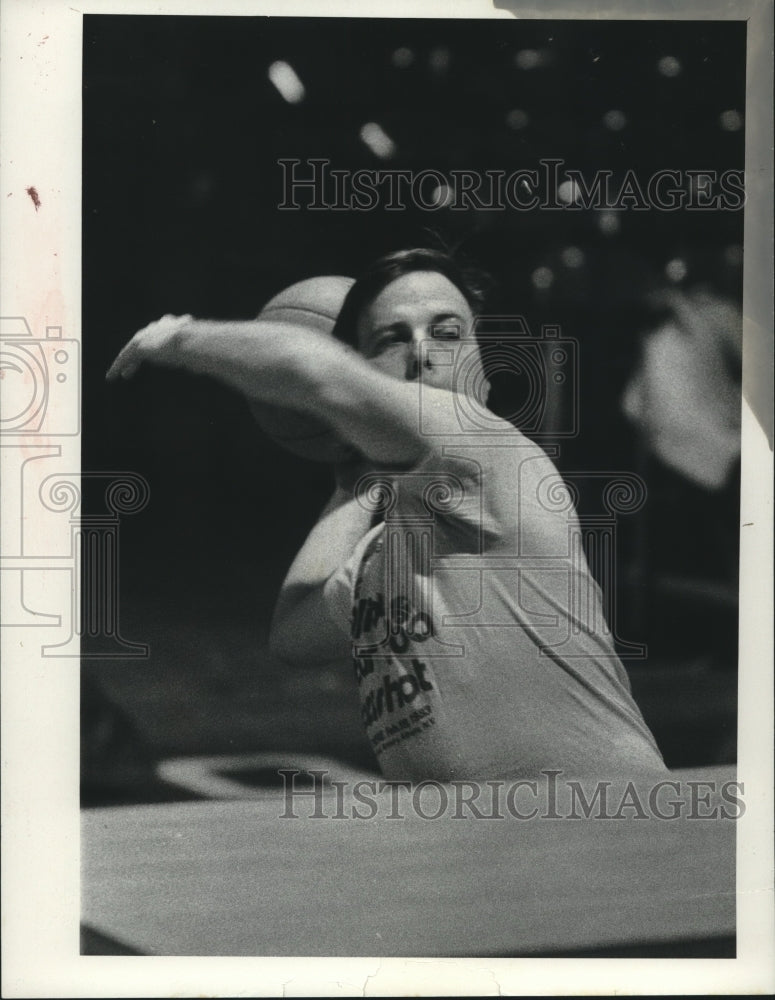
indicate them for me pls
(378, 142)
(568, 192)
(529, 59)
(733, 255)
(731, 121)
(669, 66)
(442, 195)
(676, 269)
(615, 120)
(517, 119)
(608, 223)
(439, 59)
(284, 78)
(572, 257)
(542, 277)
(403, 58)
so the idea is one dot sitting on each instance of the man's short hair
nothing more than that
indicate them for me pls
(473, 283)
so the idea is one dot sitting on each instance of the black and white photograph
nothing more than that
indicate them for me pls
(387, 446)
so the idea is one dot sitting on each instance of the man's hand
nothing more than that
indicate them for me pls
(275, 363)
(155, 342)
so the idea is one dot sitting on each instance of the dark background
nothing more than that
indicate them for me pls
(182, 133)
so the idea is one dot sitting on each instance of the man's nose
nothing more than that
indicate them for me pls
(414, 354)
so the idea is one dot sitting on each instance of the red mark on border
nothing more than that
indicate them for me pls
(34, 195)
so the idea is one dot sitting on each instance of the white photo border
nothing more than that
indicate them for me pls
(40, 50)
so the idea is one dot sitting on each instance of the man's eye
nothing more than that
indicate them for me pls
(394, 339)
(445, 331)
(397, 336)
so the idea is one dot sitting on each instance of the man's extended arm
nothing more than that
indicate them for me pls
(291, 366)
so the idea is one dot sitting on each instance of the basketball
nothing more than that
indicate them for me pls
(314, 304)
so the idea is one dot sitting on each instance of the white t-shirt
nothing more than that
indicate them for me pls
(480, 648)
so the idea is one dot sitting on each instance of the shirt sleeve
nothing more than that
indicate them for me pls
(464, 487)
(338, 590)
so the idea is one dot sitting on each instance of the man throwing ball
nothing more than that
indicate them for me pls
(443, 565)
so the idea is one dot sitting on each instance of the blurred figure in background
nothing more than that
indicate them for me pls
(685, 396)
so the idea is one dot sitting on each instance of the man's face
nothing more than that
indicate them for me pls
(422, 307)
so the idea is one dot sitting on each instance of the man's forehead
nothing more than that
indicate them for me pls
(426, 290)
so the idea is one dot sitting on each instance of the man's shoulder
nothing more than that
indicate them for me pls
(499, 448)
